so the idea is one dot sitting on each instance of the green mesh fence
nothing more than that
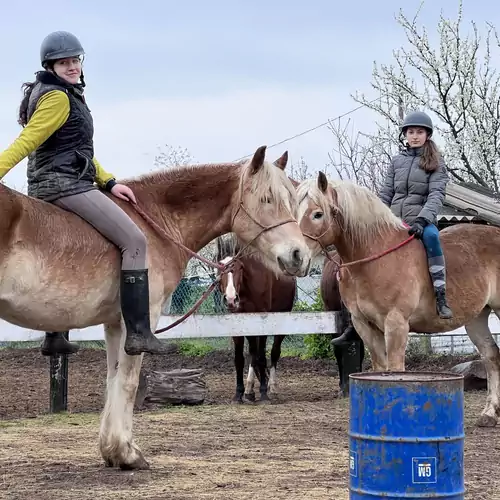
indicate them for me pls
(190, 289)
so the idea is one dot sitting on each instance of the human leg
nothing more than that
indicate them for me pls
(437, 269)
(349, 333)
(114, 224)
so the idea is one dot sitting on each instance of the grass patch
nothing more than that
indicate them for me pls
(195, 347)
(54, 420)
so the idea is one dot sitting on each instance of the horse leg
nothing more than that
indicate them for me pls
(348, 350)
(375, 342)
(113, 338)
(239, 364)
(480, 334)
(349, 360)
(396, 339)
(252, 349)
(275, 356)
(116, 443)
(339, 357)
(262, 367)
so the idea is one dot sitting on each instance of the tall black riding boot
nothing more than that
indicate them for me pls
(134, 295)
(349, 334)
(55, 343)
(437, 271)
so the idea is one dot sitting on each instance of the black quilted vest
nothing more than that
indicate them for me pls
(62, 165)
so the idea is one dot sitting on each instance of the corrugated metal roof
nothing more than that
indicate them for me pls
(478, 203)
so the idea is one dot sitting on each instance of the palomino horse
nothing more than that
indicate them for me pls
(349, 355)
(59, 274)
(250, 286)
(390, 295)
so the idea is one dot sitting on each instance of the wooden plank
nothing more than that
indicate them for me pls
(202, 326)
(226, 325)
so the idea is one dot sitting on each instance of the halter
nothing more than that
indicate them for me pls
(339, 264)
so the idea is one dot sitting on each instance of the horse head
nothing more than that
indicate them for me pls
(265, 215)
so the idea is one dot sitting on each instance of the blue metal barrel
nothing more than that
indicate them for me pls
(406, 436)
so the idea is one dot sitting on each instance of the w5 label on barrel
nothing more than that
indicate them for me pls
(424, 470)
(353, 464)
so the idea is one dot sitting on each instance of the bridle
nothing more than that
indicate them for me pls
(223, 268)
(339, 264)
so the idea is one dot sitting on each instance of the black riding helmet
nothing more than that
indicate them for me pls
(58, 45)
(417, 119)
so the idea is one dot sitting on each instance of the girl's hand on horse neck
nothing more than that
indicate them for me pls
(123, 192)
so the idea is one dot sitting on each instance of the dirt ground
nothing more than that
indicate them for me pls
(295, 448)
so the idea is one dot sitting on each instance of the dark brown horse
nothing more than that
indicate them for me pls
(251, 287)
(349, 354)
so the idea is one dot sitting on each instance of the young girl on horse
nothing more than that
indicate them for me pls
(414, 188)
(58, 139)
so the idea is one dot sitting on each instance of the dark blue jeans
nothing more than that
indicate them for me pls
(431, 242)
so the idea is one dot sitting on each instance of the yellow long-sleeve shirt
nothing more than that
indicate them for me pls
(52, 111)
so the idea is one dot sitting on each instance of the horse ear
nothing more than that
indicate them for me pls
(294, 182)
(322, 182)
(258, 160)
(282, 161)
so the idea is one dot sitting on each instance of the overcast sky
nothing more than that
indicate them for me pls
(219, 78)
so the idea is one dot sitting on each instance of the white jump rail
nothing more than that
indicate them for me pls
(223, 325)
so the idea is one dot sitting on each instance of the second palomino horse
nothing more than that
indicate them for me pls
(391, 294)
(60, 274)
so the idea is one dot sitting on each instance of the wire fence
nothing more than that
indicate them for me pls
(191, 288)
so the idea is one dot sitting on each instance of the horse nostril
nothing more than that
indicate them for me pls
(237, 298)
(296, 256)
(224, 299)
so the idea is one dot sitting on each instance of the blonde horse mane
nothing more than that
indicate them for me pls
(364, 216)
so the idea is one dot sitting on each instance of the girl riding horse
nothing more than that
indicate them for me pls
(58, 139)
(414, 188)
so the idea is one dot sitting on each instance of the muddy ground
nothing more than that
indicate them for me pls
(295, 448)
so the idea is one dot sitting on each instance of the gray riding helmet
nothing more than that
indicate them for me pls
(417, 119)
(58, 45)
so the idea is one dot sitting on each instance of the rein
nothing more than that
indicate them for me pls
(223, 268)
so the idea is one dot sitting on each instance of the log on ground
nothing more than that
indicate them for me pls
(176, 387)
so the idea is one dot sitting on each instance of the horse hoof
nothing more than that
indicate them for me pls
(140, 463)
(237, 400)
(486, 421)
(265, 401)
(250, 398)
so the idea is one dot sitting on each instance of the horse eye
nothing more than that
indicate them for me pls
(318, 215)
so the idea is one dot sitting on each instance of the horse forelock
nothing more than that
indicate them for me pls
(308, 190)
(363, 215)
(271, 181)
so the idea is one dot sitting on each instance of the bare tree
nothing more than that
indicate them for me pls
(172, 156)
(299, 171)
(360, 157)
(453, 82)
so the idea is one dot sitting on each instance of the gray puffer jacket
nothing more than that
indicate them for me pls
(411, 192)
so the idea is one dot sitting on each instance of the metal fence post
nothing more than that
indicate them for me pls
(59, 381)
